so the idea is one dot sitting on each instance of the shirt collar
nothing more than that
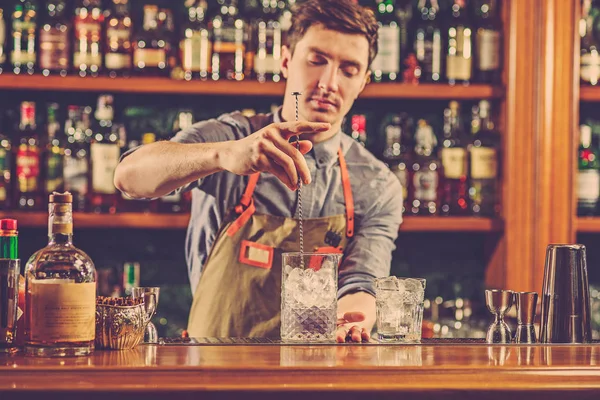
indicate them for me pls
(325, 153)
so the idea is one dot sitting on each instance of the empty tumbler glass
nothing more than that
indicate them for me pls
(150, 296)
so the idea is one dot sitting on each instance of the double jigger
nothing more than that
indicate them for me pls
(565, 311)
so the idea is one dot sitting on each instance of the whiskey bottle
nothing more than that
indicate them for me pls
(118, 48)
(488, 42)
(151, 48)
(23, 54)
(87, 49)
(267, 58)
(55, 37)
(228, 42)
(588, 174)
(483, 159)
(104, 156)
(589, 72)
(453, 153)
(54, 153)
(5, 164)
(386, 65)
(76, 158)
(28, 193)
(428, 41)
(196, 43)
(3, 35)
(396, 152)
(459, 49)
(426, 172)
(60, 290)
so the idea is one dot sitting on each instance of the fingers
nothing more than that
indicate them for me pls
(289, 129)
(365, 335)
(355, 334)
(341, 333)
(287, 169)
(300, 163)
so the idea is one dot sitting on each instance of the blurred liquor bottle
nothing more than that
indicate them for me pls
(588, 174)
(151, 47)
(453, 153)
(590, 59)
(428, 40)
(28, 192)
(267, 36)
(484, 149)
(358, 128)
(195, 46)
(386, 65)
(23, 56)
(397, 151)
(104, 157)
(459, 45)
(54, 152)
(426, 172)
(55, 38)
(229, 45)
(88, 33)
(3, 35)
(117, 40)
(488, 41)
(5, 163)
(131, 277)
(76, 159)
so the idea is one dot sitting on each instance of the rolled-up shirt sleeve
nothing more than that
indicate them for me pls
(369, 253)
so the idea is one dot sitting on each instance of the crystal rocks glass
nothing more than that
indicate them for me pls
(309, 297)
(150, 296)
(399, 303)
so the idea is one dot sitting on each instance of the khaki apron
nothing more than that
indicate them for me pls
(239, 293)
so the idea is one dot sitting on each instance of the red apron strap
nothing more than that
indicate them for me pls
(347, 194)
(245, 208)
(247, 196)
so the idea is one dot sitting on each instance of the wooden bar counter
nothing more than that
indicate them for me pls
(311, 372)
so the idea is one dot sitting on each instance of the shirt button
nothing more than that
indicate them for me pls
(322, 160)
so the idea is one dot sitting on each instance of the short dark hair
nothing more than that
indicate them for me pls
(338, 15)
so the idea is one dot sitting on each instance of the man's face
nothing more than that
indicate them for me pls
(329, 68)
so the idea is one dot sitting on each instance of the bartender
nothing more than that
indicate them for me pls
(244, 172)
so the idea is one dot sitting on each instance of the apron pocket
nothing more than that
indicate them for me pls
(256, 254)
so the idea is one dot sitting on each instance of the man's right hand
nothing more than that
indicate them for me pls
(269, 150)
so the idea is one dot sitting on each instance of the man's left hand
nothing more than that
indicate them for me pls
(349, 331)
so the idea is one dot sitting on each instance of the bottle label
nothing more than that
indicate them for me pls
(458, 64)
(425, 182)
(28, 167)
(62, 311)
(54, 173)
(268, 54)
(454, 162)
(22, 57)
(196, 52)
(484, 163)
(488, 48)
(117, 61)
(588, 185)
(105, 158)
(388, 56)
(118, 34)
(54, 48)
(429, 54)
(76, 174)
(590, 67)
(150, 58)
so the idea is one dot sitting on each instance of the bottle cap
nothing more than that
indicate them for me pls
(8, 224)
(65, 197)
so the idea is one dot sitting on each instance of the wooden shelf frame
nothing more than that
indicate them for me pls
(589, 94)
(140, 85)
(587, 225)
(180, 221)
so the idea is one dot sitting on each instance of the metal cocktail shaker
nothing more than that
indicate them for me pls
(565, 315)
